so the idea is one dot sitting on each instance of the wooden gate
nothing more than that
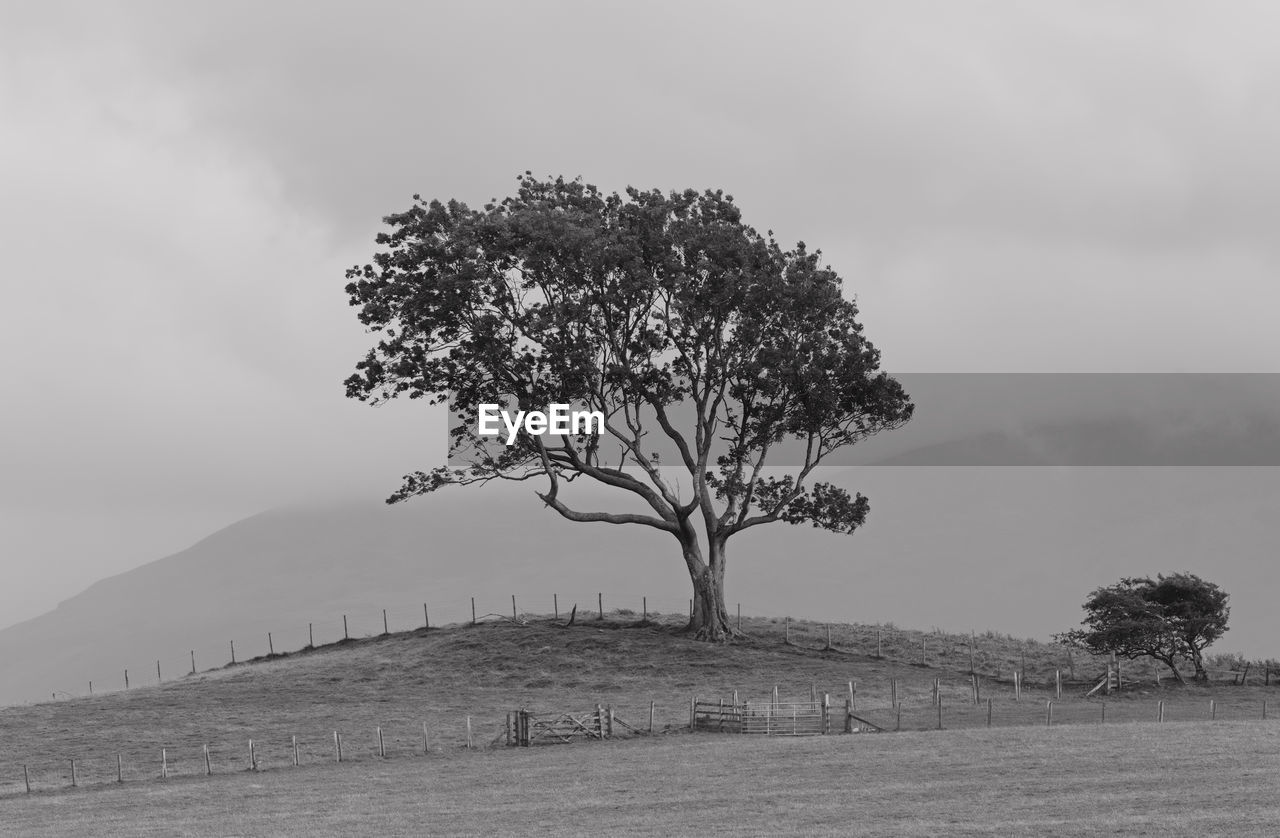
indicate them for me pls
(525, 728)
(771, 718)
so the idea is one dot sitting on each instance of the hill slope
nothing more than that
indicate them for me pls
(440, 680)
(960, 548)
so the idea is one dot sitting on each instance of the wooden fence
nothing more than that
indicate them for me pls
(525, 728)
(775, 718)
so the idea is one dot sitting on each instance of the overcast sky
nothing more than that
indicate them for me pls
(1006, 187)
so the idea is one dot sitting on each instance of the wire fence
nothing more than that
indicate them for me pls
(987, 680)
(775, 713)
(997, 656)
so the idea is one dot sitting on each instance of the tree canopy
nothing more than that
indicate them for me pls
(665, 312)
(1169, 618)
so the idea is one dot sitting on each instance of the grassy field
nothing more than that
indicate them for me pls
(402, 682)
(1127, 779)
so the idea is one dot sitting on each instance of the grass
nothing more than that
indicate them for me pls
(401, 681)
(1131, 779)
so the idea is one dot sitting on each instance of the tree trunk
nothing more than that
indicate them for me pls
(710, 619)
(1173, 667)
(1197, 660)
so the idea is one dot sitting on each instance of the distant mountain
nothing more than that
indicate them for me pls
(280, 570)
(1099, 442)
(1013, 549)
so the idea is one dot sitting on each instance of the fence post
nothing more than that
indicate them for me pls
(1057, 677)
(775, 696)
(193, 668)
(382, 748)
(337, 747)
(233, 655)
(879, 652)
(600, 604)
(471, 743)
(311, 635)
(828, 635)
(1160, 710)
(693, 712)
(293, 741)
(973, 641)
(514, 614)
(385, 629)
(848, 714)
(924, 653)
(1104, 712)
(897, 719)
(509, 726)
(1048, 713)
(740, 620)
(426, 618)
(644, 604)
(126, 678)
(473, 611)
(26, 778)
(609, 720)
(853, 695)
(271, 647)
(1213, 710)
(119, 768)
(988, 711)
(651, 707)
(164, 765)
(555, 605)
(939, 712)
(159, 680)
(426, 740)
(253, 757)
(73, 773)
(346, 634)
(893, 692)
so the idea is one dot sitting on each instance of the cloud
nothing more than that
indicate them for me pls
(174, 333)
(1082, 187)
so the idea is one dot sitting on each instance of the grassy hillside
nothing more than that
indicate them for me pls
(440, 677)
(1128, 779)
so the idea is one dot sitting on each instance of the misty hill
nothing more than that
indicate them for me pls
(955, 548)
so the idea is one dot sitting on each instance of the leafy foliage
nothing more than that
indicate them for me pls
(666, 313)
(1169, 618)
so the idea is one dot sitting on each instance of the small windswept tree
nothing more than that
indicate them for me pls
(1168, 619)
(665, 313)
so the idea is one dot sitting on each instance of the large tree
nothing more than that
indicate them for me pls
(1168, 619)
(663, 311)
